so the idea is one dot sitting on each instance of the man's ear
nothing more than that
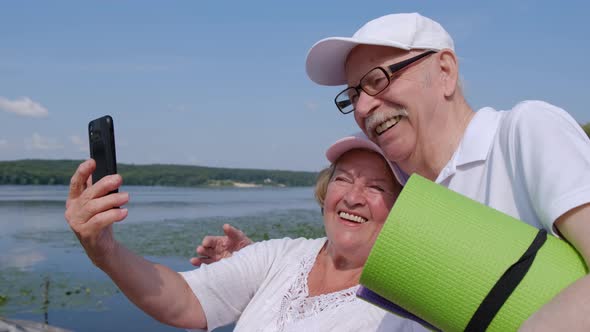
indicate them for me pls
(449, 71)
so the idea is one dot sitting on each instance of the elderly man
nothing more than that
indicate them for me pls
(532, 162)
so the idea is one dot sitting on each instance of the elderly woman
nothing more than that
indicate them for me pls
(276, 285)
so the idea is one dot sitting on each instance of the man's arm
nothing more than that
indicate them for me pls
(575, 227)
(570, 309)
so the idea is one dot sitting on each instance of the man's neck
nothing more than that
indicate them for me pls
(438, 150)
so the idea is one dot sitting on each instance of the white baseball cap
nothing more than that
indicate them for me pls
(360, 141)
(326, 59)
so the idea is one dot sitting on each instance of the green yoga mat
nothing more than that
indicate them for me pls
(440, 253)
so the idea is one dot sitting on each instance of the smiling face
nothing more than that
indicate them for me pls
(359, 196)
(404, 115)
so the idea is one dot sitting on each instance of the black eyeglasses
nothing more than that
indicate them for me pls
(372, 83)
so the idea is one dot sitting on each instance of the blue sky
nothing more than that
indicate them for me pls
(219, 83)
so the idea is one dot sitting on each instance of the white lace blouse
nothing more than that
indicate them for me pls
(264, 288)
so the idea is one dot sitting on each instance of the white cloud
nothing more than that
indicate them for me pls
(23, 106)
(37, 142)
(79, 142)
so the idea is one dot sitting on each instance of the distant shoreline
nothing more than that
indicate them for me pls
(59, 172)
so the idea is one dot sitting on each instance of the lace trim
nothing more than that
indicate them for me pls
(296, 305)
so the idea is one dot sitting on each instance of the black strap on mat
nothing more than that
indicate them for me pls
(492, 303)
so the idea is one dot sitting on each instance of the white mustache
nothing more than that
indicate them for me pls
(377, 118)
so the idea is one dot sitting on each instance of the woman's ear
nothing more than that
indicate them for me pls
(449, 71)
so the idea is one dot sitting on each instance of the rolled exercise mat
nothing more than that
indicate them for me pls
(440, 253)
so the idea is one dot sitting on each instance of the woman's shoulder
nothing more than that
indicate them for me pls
(287, 245)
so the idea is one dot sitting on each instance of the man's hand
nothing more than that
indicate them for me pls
(91, 214)
(215, 248)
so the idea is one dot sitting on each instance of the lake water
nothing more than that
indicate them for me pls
(45, 275)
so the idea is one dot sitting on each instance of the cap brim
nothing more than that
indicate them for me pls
(326, 59)
(360, 141)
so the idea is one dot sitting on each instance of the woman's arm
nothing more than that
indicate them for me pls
(157, 290)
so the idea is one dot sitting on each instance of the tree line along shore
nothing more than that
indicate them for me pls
(59, 172)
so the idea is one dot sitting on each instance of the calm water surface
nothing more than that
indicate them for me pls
(45, 275)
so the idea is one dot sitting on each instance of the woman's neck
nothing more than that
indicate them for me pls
(342, 260)
(334, 271)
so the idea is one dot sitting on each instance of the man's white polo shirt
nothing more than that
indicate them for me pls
(532, 162)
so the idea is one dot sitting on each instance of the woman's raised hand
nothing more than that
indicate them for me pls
(214, 248)
(91, 211)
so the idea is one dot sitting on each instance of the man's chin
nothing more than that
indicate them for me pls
(391, 146)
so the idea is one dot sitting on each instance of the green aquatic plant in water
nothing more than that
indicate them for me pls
(179, 237)
(30, 292)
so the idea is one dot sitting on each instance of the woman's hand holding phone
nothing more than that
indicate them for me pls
(90, 211)
(93, 200)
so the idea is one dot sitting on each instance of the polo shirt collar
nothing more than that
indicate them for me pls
(476, 143)
(474, 147)
(479, 136)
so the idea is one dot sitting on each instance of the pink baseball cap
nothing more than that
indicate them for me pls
(360, 141)
(327, 58)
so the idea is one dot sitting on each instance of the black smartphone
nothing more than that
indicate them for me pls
(101, 135)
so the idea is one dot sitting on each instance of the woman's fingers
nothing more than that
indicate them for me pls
(234, 235)
(197, 261)
(101, 204)
(79, 179)
(204, 251)
(207, 251)
(104, 219)
(97, 221)
(91, 210)
(214, 248)
(236, 239)
(104, 186)
(80, 211)
(88, 202)
(211, 241)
